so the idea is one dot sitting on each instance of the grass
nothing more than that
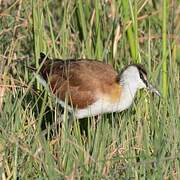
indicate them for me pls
(36, 142)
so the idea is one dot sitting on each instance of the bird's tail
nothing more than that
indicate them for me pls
(43, 57)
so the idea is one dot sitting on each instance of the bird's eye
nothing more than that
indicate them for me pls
(141, 76)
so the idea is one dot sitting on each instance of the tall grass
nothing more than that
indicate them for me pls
(37, 142)
(164, 47)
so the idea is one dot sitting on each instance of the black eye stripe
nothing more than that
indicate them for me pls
(142, 77)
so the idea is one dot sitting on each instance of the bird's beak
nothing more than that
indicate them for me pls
(153, 89)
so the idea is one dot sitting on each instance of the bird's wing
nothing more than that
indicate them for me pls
(79, 80)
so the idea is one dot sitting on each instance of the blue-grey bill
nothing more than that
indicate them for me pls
(153, 90)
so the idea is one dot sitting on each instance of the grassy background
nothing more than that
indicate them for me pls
(140, 143)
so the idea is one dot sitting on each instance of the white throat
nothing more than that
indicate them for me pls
(129, 81)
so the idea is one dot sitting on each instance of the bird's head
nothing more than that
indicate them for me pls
(135, 75)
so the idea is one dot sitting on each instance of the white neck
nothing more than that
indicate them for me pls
(127, 95)
(129, 81)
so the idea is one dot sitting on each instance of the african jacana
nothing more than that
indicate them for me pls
(93, 87)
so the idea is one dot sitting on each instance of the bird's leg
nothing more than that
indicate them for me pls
(95, 121)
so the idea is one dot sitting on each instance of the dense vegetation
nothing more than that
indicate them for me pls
(142, 142)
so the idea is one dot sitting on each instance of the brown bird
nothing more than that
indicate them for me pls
(93, 87)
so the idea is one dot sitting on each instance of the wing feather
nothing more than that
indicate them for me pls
(79, 80)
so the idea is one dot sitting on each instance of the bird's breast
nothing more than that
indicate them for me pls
(107, 101)
(112, 93)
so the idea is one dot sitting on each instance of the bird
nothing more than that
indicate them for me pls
(92, 87)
